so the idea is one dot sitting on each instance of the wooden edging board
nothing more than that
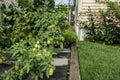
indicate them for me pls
(74, 65)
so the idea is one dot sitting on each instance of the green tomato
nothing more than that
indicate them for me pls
(41, 56)
(21, 72)
(3, 58)
(38, 42)
(48, 42)
(16, 67)
(36, 45)
(51, 26)
(51, 71)
(1, 61)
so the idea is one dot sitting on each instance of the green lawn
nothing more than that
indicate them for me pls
(99, 62)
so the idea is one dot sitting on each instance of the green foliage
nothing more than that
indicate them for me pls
(36, 3)
(115, 6)
(112, 28)
(105, 27)
(4, 39)
(32, 59)
(61, 8)
(32, 33)
(95, 27)
(69, 35)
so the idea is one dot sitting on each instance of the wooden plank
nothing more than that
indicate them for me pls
(60, 61)
(74, 66)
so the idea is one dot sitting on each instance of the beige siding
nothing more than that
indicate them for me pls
(84, 5)
(93, 5)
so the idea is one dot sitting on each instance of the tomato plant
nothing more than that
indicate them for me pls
(32, 32)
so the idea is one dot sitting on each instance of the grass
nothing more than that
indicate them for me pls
(98, 61)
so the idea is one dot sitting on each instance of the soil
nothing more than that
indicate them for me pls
(4, 67)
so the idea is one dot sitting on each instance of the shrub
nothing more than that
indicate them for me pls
(69, 36)
(112, 28)
(32, 32)
(94, 27)
(32, 59)
(105, 27)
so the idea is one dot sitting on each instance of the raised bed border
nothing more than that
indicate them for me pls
(74, 65)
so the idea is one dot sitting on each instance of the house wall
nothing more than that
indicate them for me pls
(95, 6)
(92, 4)
(83, 6)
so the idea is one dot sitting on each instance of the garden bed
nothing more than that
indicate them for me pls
(62, 68)
(32, 39)
(67, 67)
(3, 67)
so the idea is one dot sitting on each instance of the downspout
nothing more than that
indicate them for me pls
(76, 10)
(76, 15)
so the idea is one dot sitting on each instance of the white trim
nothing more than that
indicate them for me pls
(79, 6)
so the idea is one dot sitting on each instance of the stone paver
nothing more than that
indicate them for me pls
(60, 61)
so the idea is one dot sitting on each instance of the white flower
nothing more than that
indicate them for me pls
(34, 49)
(118, 25)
